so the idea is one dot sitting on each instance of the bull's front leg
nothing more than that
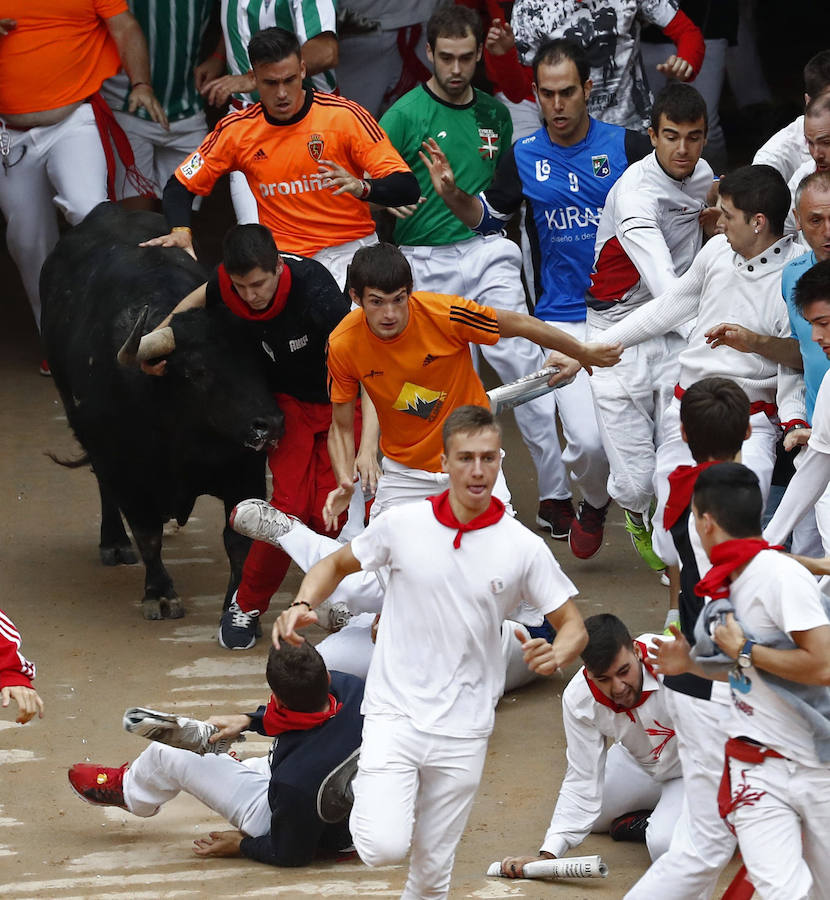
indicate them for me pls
(236, 546)
(114, 547)
(160, 598)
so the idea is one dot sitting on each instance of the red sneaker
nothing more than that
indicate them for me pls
(556, 516)
(99, 785)
(587, 530)
(44, 369)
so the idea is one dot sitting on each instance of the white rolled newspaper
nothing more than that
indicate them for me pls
(522, 390)
(570, 867)
(177, 731)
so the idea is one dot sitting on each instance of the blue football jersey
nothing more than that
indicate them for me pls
(566, 189)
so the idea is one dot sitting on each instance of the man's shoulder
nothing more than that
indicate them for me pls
(348, 331)
(795, 268)
(412, 100)
(488, 103)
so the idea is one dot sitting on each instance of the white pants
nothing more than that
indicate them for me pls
(338, 258)
(158, 152)
(630, 400)
(237, 791)
(628, 787)
(701, 844)
(59, 165)
(783, 834)
(413, 792)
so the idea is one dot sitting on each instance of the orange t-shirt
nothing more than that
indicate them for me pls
(418, 378)
(280, 161)
(60, 52)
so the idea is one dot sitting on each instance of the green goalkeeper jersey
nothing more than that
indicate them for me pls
(473, 137)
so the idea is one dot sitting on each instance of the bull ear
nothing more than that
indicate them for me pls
(156, 344)
(127, 353)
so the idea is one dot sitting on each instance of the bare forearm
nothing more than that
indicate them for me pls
(797, 665)
(783, 351)
(191, 301)
(341, 451)
(513, 324)
(463, 206)
(323, 577)
(320, 53)
(370, 426)
(132, 47)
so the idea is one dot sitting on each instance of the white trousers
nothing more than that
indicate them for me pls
(487, 269)
(413, 792)
(628, 787)
(237, 791)
(59, 165)
(701, 844)
(630, 401)
(158, 152)
(783, 833)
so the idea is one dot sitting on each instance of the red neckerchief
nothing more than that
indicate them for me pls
(725, 558)
(681, 487)
(607, 701)
(278, 719)
(443, 512)
(240, 308)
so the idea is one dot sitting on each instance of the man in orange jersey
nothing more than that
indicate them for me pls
(304, 155)
(55, 55)
(410, 352)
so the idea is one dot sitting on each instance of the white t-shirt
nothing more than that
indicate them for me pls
(773, 596)
(786, 150)
(438, 657)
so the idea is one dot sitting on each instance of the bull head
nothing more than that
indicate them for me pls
(139, 348)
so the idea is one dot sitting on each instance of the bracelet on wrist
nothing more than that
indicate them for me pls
(136, 84)
(300, 603)
(181, 228)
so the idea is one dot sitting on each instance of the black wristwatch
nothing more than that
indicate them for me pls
(744, 660)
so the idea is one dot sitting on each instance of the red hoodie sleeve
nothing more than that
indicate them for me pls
(509, 76)
(688, 39)
(15, 669)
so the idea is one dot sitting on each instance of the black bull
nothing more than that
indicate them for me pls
(154, 443)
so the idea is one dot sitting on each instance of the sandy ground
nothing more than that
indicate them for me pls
(96, 656)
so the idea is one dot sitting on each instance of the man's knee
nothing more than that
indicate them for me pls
(381, 849)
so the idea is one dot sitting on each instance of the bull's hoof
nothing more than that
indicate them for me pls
(151, 608)
(172, 608)
(119, 555)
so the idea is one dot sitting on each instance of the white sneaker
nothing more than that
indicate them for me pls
(259, 520)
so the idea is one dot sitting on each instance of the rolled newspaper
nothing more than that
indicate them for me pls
(571, 867)
(522, 390)
(177, 731)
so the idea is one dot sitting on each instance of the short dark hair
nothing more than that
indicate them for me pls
(817, 106)
(758, 189)
(552, 52)
(817, 73)
(298, 677)
(454, 22)
(273, 45)
(730, 493)
(380, 266)
(813, 285)
(468, 420)
(818, 180)
(607, 635)
(247, 247)
(715, 415)
(679, 103)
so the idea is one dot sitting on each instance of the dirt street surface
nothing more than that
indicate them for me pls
(96, 656)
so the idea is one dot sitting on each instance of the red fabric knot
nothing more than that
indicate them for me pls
(607, 701)
(278, 719)
(443, 512)
(725, 559)
(110, 130)
(681, 487)
(240, 308)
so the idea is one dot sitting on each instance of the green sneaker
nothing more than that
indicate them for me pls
(641, 538)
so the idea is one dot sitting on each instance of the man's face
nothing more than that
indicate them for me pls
(280, 86)
(472, 461)
(817, 135)
(740, 233)
(563, 100)
(817, 314)
(257, 287)
(454, 63)
(622, 681)
(678, 145)
(386, 314)
(813, 216)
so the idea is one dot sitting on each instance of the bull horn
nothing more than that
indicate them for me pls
(127, 353)
(156, 343)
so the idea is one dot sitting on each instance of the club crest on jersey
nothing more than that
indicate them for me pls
(191, 166)
(489, 143)
(419, 401)
(315, 147)
(602, 168)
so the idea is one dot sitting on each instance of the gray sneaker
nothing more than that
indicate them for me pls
(259, 520)
(238, 629)
(335, 798)
(333, 615)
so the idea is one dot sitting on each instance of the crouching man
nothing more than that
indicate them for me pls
(272, 806)
(634, 789)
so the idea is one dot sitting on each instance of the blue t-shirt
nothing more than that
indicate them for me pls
(816, 363)
(566, 189)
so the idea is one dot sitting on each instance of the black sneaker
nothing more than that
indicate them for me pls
(556, 516)
(238, 629)
(335, 798)
(631, 827)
